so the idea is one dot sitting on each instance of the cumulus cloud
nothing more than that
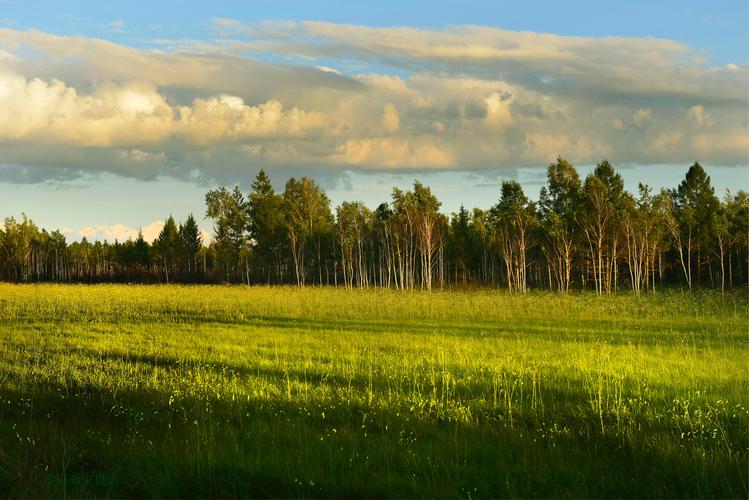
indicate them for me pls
(497, 110)
(114, 232)
(134, 114)
(39, 110)
(383, 152)
(390, 119)
(229, 118)
(358, 97)
(700, 116)
(121, 232)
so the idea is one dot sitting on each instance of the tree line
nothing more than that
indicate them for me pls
(581, 234)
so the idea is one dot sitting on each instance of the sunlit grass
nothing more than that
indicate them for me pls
(237, 391)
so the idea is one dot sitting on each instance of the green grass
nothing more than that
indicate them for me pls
(234, 391)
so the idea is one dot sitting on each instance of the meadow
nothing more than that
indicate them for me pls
(185, 391)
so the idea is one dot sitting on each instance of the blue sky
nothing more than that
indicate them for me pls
(720, 28)
(360, 96)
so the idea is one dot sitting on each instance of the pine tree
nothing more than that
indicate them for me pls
(142, 255)
(266, 218)
(696, 206)
(460, 244)
(192, 241)
(168, 245)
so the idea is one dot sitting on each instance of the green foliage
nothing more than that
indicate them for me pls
(603, 206)
(695, 207)
(141, 254)
(514, 218)
(462, 244)
(419, 229)
(214, 391)
(560, 207)
(192, 242)
(16, 243)
(228, 209)
(168, 246)
(562, 196)
(591, 235)
(309, 222)
(267, 229)
(354, 225)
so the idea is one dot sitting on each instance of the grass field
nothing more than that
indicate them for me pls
(233, 391)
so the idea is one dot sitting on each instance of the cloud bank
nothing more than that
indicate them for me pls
(121, 232)
(349, 97)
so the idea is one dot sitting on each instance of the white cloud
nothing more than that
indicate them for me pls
(390, 118)
(39, 110)
(465, 97)
(116, 26)
(497, 110)
(666, 142)
(229, 118)
(138, 156)
(393, 153)
(7, 56)
(223, 22)
(206, 235)
(700, 116)
(641, 116)
(538, 146)
(134, 114)
(122, 233)
(625, 65)
(151, 231)
(118, 232)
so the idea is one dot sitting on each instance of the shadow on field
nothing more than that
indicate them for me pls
(623, 331)
(426, 382)
(189, 440)
(196, 446)
(378, 381)
(615, 332)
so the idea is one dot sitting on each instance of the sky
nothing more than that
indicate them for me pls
(113, 116)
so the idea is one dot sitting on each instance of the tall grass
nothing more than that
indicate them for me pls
(252, 391)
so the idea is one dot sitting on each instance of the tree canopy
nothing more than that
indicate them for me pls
(584, 234)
